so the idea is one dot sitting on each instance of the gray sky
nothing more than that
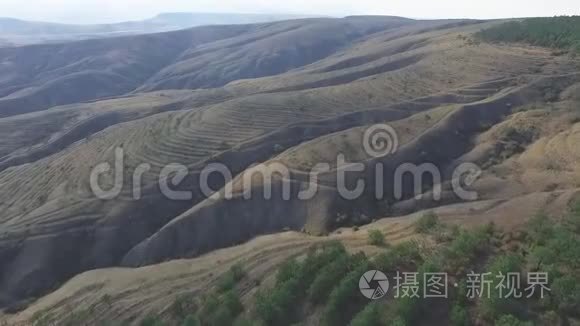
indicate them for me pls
(93, 11)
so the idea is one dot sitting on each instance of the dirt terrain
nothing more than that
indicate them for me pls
(296, 92)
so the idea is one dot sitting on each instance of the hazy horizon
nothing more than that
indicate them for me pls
(105, 22)
(110, 11)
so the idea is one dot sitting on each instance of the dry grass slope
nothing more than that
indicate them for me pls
(425, 78)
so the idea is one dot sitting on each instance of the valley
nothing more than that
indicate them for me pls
(252, 97)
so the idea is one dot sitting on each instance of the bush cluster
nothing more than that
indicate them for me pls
(556, 32)
(297, 280)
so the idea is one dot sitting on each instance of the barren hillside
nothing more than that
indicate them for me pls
(296, 93)
(22, 32)
(38, 77)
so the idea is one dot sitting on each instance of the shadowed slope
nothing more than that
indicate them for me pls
(189, 234)
(272, 49)
(49, 204)
(123, 294)
(21, 32)
(41, 76)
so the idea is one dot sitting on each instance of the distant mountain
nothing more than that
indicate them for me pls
(185, 20)
(40, 76)
(21, 32)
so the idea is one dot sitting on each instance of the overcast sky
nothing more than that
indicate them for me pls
(94, 11)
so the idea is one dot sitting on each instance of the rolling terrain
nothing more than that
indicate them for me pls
(42, 76)
(21, 32)
(296, 93)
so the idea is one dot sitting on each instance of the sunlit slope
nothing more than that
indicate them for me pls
(383, 73)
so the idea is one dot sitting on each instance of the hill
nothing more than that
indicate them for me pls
(21, 32)
(557, 32)
(181, 289)
(181, 20)
(295, 93)
(40, 76)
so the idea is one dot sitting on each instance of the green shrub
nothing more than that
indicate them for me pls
(221, 317)
(398, 322)
(376, 238)
(191, 320)
(229, 280)
(327, 278)
(462, 293)
(369, 316)
(555, 32)
(210, 304)
(343, 295)
(287, 271)
(311, 266)
(409, 310)
(245, 322)
(560, 250)
(277, 306)
(566, 293)
(226, 283)
(509, 320)
(573, 220)
(406, 253)
(427, 223)
(540, 230)
(459, 316)
(152, 321)
(232, 302)
(496, 304)
(220, 310)
(575, 208)
(461, 252)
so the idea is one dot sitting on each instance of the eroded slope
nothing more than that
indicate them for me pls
(427, 80)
